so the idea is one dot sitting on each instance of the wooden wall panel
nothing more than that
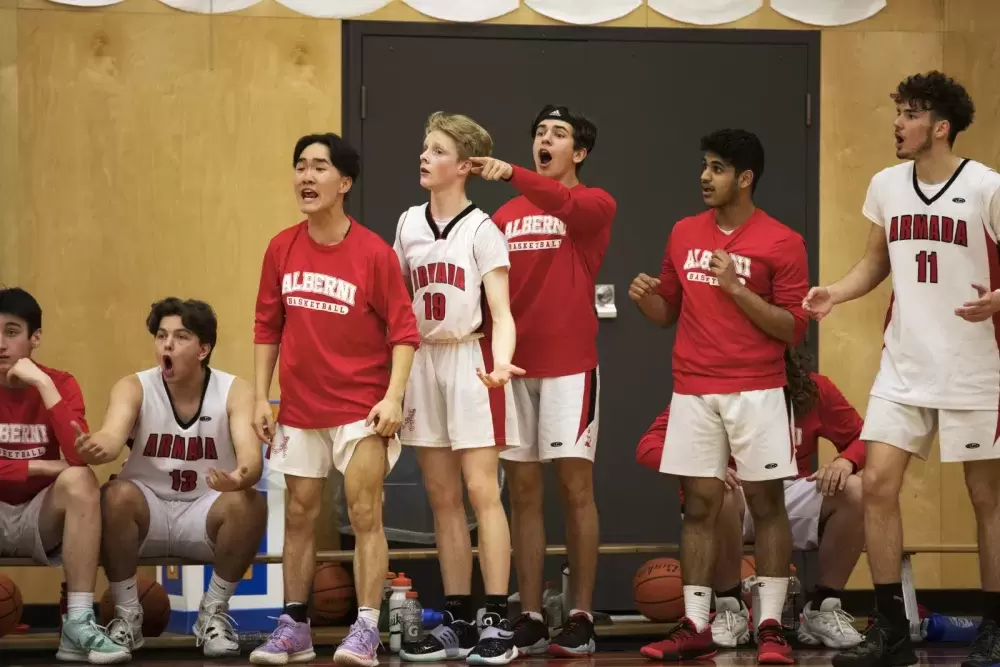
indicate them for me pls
(9, 264)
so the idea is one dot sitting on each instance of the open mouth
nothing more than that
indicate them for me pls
(424, 171)
(309, 195)
(899, 140)
(544, 157)
(706, 191)
(168, 367)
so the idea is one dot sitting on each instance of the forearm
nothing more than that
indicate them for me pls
(265, 358)
(504, 340)
(656, 309)
(860, 280)
(402, 361)
(773, 320)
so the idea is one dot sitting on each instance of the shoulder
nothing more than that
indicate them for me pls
(369, 240)
(599, 193)
(828, 393)
(238, 390)
(778, 232)
(984, 177)
(897, 172)
(511, 210)
(692, 222)
(286, 235)
(60, 379)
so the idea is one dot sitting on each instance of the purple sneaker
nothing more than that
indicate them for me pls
(290, 642)
(359, 647)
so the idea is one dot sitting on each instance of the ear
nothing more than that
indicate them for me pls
(204, 351)
(942, 129)
(464, 167)
(36, 339)
(746, 179)
(579, 155)
(346, 183)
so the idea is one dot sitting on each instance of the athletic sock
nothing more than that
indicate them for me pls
(698, 605)
(574, 612)
(497, 604)
(460, 607)
(889, 603)
(821, 594)
(298, 611)
(771, 591)
(991, 606)
(368, 615)
(79, 604)
(219, 591)
(126, 595)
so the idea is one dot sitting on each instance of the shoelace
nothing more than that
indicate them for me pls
(282, 633)
(843, 621)
(730, 619)
(101, 633)
(213, 622)
(125, 636)
(772, 635)
(685, 630)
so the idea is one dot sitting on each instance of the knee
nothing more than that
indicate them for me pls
(526, 490)
(120, 500)
(365, 516)
(484, 491)
(702, 505)
(77, 486)
(852, 496)
(247, 505)
(765, 500)
(984, 496)
(879, 486)
(445, 494)
(577, 489)
(301, 512)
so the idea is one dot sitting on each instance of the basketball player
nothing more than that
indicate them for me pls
(187, 487)
(557, 231)
(824, 509)
(935, 225)
(332, 299)
(48, 500)
(733, 279)
(452, 254)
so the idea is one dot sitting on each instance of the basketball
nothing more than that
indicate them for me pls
(658, 591)
(155, 607)
(10, 605)
(333, 594)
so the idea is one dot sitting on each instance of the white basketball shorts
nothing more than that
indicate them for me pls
(19, 533)
(557, 417)
(753, 426)
(965, 435)
(311, 452)
(447, 405)
(804, 505)
(177, 528)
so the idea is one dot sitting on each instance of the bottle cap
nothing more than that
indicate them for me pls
(401, 581)
(411, 595)
(391, 575)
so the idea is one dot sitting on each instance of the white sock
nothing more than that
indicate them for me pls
(218, 591)
(698, 605)
(772, 598)
(78, 604)
(574, 612)
(126, 594)
(368, 615)
(536, 616)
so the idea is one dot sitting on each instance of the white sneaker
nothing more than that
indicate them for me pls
(126, 628)
(831, 626)
(731, 625)
(215, 631)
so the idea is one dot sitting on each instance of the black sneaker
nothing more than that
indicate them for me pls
(496, 643)
(576, 638)
(449, 641)
(881, 647)
(986, 649)
(531, 636)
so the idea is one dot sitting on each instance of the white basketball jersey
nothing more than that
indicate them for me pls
(443, 269)
(942, 239)
(171, 458)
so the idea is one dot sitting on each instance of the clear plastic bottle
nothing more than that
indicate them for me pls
(383, 617)
(789, 615)
(412, 619)
(552, 605)
(400, 587)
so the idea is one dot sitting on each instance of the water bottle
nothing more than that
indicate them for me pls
(412, 615)
(432, 618)
(789, 615)
(400, 587)
(383, 616)
(940, 628)
(552, 604)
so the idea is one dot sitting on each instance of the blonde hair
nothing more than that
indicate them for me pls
(469, 136)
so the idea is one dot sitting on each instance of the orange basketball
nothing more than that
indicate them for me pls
(333, 594)
(10, 605)
(155, 607)
(658, 591)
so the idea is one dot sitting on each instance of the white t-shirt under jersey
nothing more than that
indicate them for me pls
(942, 239)
(445, 262)
(173, 458)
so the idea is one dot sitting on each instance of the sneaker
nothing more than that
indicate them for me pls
(577, 638)
(360, 646)
(880, 647)
(290, 642)
(215, 631)
(451, 640)
(683, 642)
(830, 625)
(126, 628)
(496, 643)
(986, 649)
(83, 640)
(531, 636)
(731, 625)
(772, 647)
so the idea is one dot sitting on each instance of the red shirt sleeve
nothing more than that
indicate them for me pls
(62, 415)
(839, 422)
(791, 281)
(586, 211)
(670, 284)
(13, 471)
(269, 317)
(391, 301)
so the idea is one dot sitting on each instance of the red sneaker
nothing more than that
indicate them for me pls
(684, 642)
(772, 647)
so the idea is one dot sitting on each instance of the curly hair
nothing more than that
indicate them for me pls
(938, 93)
(801, 389)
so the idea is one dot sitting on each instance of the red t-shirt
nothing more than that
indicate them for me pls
(557, 237)
(832, 418)
(29, 430)
(337, 311)
(718, 349)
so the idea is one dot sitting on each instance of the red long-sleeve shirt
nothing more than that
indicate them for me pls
(718, 349)
(336, 311)
(29, 430)
(832, 418)
(557, 238)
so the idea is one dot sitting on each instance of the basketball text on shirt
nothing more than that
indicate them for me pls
(23, 434)
(318, 283)
(541, 225)
(701, 259)
(919, 226)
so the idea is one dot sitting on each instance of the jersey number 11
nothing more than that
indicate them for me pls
(927, 269)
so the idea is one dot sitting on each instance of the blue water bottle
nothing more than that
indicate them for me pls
(940, 628)
(432, 618)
